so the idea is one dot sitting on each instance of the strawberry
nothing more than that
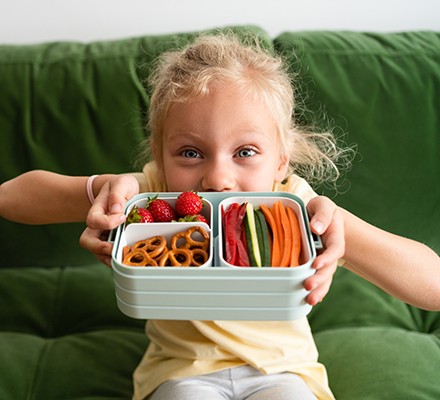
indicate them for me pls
(139, 214)
(188, 203)
(161, 210)
(193, 218)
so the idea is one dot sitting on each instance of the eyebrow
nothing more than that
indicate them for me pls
(251, 131)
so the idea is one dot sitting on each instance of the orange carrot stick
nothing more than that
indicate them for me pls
(296, 237)
(287, 234)
(276, 215)
(275, 249)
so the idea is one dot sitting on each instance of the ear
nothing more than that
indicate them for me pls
(282, 169)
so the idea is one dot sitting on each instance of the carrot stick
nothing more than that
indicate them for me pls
(276, 215)
(275, 248)
(287, 234)
(296, 237)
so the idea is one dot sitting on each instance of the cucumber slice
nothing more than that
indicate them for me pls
(263, 237)
(251, 236)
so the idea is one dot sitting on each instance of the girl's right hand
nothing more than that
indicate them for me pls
(106, 213)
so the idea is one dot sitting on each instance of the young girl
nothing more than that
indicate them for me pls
(220, 120)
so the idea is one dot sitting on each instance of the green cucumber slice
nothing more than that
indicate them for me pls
(263, 237)
(251, 236)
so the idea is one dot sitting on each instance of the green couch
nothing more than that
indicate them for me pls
(79, 109)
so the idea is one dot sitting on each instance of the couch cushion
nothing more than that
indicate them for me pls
(62, 336)
(374, 346)
(383, 91)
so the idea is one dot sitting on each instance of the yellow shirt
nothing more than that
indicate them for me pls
(188, 348)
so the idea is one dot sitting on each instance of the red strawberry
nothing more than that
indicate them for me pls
(161, 210)
(139, 214)
(193, 218)
(188, 203)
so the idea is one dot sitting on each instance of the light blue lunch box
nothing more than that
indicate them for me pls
(216, 290)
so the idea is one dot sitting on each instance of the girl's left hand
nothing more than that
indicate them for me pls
(106, 213)
(327, 221)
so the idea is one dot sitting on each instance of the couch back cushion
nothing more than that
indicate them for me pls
(383, 92)
(77, 109)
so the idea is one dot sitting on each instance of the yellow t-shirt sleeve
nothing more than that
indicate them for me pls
(297, 186)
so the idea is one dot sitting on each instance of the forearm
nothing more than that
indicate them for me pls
(402, 267)
(43, 197)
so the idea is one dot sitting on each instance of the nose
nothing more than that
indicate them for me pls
(218, 177)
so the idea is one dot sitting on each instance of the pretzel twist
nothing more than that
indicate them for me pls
(154, 246)
(139, 258)
(188, 241)
(199, 257)
(176, 258)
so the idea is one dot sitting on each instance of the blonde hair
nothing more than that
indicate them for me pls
(184, 75)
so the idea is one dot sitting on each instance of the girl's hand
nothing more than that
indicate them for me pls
(106, 213)
(327, 221)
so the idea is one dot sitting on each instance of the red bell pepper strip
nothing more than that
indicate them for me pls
(235, 240)
(230, 219)
(242, 255)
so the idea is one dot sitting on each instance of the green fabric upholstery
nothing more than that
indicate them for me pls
(62, 337)
(80, 108)
(382, 90)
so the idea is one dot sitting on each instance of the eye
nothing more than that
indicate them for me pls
(246, 152)
(190, 153)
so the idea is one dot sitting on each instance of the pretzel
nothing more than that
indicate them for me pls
(177, 258)
(154, 246)
(139, 258)
(199, 257)
(189, 242)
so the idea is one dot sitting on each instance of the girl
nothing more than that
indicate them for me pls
(220, 120)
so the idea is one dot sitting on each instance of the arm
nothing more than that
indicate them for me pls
(404, 268)
(43, 197)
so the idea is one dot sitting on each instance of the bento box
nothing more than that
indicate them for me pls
(216, 289)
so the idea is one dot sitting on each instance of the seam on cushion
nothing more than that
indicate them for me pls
(431, 336)
(361, 327)
(56, 306)
(301, 48)
(35, 382)
(82, 59)
(301, 45)
(374, 53)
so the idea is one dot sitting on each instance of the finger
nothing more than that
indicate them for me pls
(316, 296)
(91, 240)
(106, 260)
(320, 277)
(120, 191)
(321, 210)
(99, 216)
(319, 284)
(334, 243)
(100, 221)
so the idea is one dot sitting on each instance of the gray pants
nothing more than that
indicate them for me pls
(240, 383)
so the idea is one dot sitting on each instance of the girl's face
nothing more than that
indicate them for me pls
(223, 141)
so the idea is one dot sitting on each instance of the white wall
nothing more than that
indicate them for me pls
(31, 21)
